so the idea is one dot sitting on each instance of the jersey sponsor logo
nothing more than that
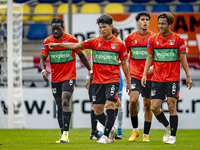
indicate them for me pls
(113, 46)
(112, 90)
(54, 91)
(153, 92)
(165, 55)
(86, 40)
(70, 82)
(174, 88)
(139, 53)
(43, 47)
(93, 98)
(105, 57)
(63, 56)
(171, 42)
(157, 43)
(134, 86)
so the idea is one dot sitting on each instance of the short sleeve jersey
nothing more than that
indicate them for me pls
(62, 61)
(166, 55)
(105, 55)
(136, 44)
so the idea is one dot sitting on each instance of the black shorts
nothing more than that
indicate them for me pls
(90, 90)
(136, 86)
(103, 92)
(161, 89)
(59, 87)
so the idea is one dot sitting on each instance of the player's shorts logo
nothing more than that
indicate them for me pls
(174, 88)
(112, 90)
(133, 86)
(93, 98)
(54, 91)
(153, 92)
(70, 82)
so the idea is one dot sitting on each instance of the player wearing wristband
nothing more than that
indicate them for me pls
(167, 50)
(63, 70)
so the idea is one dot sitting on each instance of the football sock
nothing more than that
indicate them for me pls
(162, 119)
(147, 126)
(102, 118)
(116, 112)
(134, 121)
(59, 118)
(120, 117)
(93, 121)
(173, 124)
(66, 120)
(66, 133)
(110, 119)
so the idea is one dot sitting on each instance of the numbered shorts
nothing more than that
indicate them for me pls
(136, 86)
(103, 92)
(59, 87)
(160, 90)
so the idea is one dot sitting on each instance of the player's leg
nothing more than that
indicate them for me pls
(147, 111)
(94, 134)
(120, 120)
(172, 96)
(59, 116)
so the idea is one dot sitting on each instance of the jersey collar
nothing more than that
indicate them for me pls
(61, 36)
(108, 39)
(166, 35)
(143, 35)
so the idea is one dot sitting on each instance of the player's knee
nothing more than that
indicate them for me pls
(147, 105)
(133, 102)
(65, 103)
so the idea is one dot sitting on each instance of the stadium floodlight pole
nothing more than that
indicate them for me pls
(10, 63)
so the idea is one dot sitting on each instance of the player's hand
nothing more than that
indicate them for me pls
(45, 76)
(128, 88)
(51, 45)
(189, 82)
(150, 70)
(143, 80)
(87, 82)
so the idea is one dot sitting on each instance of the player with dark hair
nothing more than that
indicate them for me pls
(167, 50)
(63, 70)
(107, 50)
(136, 44)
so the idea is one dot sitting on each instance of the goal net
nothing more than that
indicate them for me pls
(11, 87)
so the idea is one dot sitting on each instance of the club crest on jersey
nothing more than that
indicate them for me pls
(43, 47)
(113, 46)
(171, 42)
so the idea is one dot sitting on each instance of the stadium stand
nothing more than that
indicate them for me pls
(140, 1)
(184, 7)
(21, 1)
(3, 11)
(94, 1)
(47, 1)
(74, 1)
(137, 8)
(90, 8)
(63, 8)
(117, 1)
(164, 1)
(37, 31)
(114, 8)
(43, 9)
(187, 0)
(161, 7)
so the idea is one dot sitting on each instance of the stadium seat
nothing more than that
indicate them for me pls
(137, 8)
(74, 1)
(3, 11)
(160, 8)
(47, 1)
(164, 1)
(139, 1)
(21, 1)
(26, 10)
(188, 1)
(43, 9)
(90, 8)
(114, 8)
(184, 7)
(63, 8)
(37, 31)
(117, 1)
(94, 1)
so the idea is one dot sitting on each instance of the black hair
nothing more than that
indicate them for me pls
(142, 13)
(169, 16)
(105, 19)
(58, 20)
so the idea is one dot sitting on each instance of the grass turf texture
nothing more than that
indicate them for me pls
(19, 139)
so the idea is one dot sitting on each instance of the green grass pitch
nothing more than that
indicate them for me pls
(19, 139)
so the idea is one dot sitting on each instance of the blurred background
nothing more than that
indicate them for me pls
(36, 101)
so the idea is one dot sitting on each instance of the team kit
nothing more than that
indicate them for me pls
(151, 66)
